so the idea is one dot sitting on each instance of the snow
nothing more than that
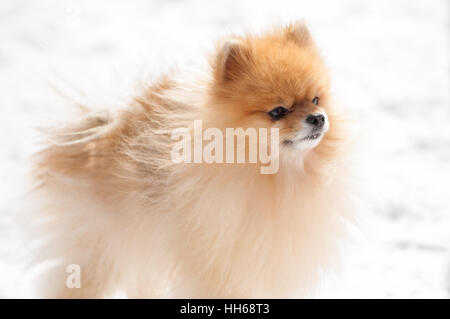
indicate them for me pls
(390, 66)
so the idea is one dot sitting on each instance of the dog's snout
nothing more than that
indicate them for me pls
(318, 120)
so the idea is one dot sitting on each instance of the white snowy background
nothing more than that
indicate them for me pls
(390, 66)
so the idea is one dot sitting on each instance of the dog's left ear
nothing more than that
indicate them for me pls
(299, 33)
(232, 59)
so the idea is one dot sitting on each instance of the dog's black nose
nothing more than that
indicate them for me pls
(318, 120)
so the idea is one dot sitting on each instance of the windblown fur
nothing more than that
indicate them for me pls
(112, 201)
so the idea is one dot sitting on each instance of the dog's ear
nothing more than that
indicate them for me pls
(232, 59)
(299, 33)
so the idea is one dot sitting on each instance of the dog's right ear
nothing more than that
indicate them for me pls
(232, 58)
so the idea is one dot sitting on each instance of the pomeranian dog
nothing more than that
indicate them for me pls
(115, 206)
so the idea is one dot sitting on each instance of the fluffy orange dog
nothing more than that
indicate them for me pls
(115, 203)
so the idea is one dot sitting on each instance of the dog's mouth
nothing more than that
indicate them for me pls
(308, 138)
(311, 137)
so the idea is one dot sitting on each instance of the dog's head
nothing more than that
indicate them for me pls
(277, 80)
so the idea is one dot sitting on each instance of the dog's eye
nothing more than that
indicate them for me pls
(315, 100)
(278, 113)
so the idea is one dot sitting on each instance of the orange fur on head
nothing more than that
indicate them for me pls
(117, 205)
